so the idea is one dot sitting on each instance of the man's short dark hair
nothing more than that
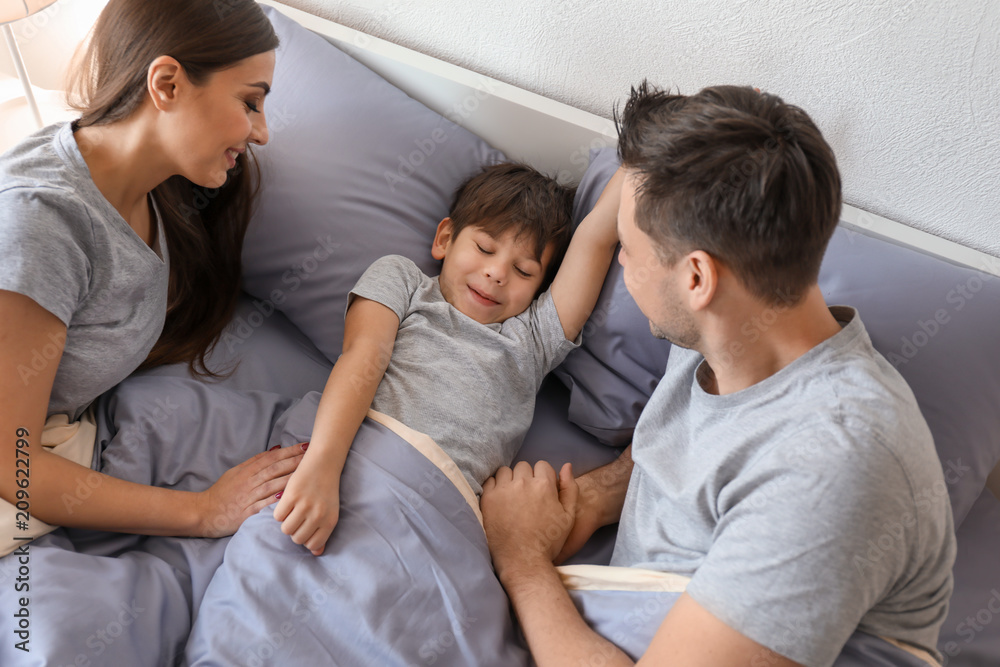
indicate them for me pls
(738, 174)
(515, 196)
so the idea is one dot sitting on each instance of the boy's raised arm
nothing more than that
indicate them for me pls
(578, 282)
(310, 504)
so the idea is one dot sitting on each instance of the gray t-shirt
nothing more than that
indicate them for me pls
(66, 247)
(804, 507)
(469, 386)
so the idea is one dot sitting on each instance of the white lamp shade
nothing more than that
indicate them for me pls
(14, 10)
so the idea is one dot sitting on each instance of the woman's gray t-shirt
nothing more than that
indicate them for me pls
(64, 245)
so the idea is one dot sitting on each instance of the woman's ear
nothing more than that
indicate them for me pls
(164, 79)
(442, 239)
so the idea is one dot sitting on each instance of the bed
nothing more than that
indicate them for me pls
(367, 142)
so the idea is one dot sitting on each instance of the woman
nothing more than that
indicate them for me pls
(120, 239)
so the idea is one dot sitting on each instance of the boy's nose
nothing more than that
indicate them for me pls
(496, 272)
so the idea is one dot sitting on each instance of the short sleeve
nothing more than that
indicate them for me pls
(539, 331)
(44, 240)
(808, 541)
(391, 280)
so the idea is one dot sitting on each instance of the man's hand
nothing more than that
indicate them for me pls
(528, 514)
(310, 506)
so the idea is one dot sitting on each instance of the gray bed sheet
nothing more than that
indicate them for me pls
(111, 599)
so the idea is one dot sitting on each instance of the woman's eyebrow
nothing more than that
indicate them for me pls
(262, 85)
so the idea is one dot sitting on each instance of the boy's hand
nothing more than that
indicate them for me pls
(310, 506)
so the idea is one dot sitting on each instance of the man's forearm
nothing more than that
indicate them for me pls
(603, 489)
(556, 633)
(602, 496)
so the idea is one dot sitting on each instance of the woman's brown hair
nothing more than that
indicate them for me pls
(204, 228)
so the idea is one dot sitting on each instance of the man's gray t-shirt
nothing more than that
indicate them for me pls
(469, 386)
(804, 507)
(65, 246)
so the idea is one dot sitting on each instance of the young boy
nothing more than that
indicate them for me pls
(459, 357)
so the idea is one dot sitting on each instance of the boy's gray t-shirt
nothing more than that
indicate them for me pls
(469, 386)
(804, 507)
(65, 246)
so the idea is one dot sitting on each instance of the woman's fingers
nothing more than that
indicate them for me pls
(267, 491)
(274, 464)
(247, 488)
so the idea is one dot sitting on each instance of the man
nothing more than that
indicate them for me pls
(779, 445)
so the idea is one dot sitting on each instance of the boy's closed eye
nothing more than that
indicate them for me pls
(523, 273)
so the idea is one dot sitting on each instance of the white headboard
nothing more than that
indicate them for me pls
(551, 136)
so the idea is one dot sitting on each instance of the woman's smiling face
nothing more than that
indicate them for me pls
(221, 117)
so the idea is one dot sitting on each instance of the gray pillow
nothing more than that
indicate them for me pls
(354, 170)
(260, 350)
(937, 323)
(612, 374)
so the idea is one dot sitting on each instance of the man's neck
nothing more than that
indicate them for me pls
(754, 341)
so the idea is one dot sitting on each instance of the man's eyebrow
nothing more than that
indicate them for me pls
(262, 85)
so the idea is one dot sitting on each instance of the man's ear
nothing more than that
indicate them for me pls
(165, 78)
(442, 239)
(702, 278)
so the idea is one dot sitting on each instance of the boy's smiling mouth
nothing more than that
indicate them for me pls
(483, 298)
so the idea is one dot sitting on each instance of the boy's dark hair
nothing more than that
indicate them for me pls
(738, 174)
(514, 195)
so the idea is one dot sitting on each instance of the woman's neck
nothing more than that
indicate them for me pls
(126, 163)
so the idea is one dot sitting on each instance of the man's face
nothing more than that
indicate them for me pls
(658, 289)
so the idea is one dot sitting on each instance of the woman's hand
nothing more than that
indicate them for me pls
(245, 490)
(310, 507)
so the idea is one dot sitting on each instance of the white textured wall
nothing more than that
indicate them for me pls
(907, 92)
